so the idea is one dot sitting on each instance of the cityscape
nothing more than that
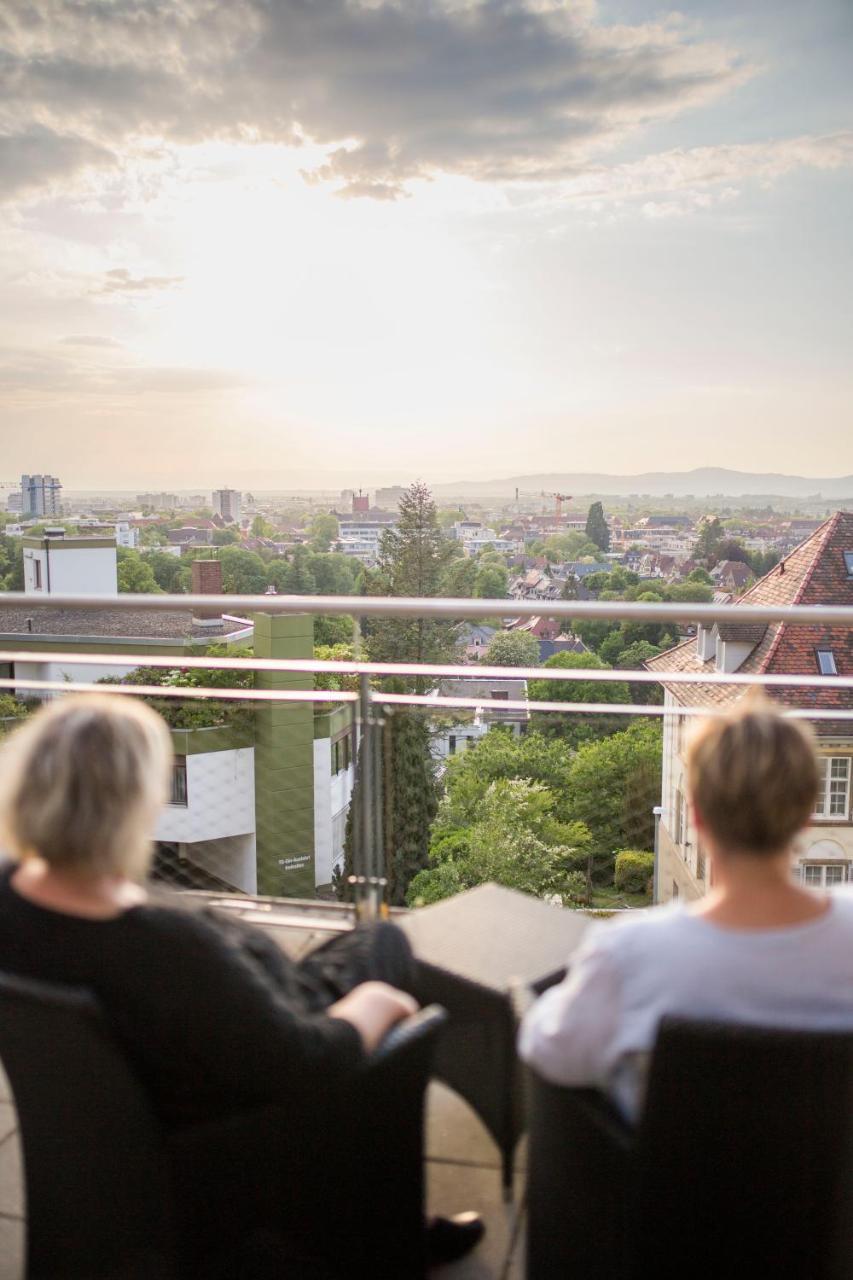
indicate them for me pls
(426, 639)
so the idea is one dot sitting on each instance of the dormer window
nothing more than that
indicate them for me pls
(826, 662)
(848, 563)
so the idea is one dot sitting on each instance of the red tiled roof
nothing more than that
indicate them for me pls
(815, 573)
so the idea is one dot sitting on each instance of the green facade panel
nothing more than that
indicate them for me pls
(284, 762)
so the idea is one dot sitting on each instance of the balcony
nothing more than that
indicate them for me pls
(258, 812)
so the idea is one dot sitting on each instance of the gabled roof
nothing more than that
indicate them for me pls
(815, 573)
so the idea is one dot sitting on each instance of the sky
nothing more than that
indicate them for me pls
(318, 243)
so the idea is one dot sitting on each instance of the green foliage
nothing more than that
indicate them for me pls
(243, 572)
(12, 708)
(225, 537)
(690, 592)
(197, 713)
(333, 629)
(578, 727)
(459, 578)
(700, 575)
(323, 531)
(491, 582)
(499, 755)
(597, 530)
(633, 659)
(171, 573)
(614, 785)
(412, 561)
(135, 573)
(11, 563)
(711, 534)
(511, 843)
(634, 869)
(513, 649)
(262, 528)
(410, 800)
(332, 679)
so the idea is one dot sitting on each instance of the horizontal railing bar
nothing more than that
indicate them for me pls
(319, 666)
(496, 710)
(177, 691)
(441, 607)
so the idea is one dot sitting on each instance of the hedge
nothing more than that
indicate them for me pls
(634, 869)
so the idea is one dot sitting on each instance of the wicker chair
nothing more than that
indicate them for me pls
(742, 1163)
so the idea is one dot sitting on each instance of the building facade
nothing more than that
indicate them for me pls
(226, 504)
(818, 572)
(41, 496)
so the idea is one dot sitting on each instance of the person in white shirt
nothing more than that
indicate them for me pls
(759, 949)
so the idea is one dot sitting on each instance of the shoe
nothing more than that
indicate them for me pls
(449, 1239)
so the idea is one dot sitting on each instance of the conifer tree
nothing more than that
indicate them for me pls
(596, 527)
(412, 562)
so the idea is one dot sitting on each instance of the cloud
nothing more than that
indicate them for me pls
(495, 90)
(88, 340)
(37, 157)
(698, 177)
(119, 280)
(31, 371)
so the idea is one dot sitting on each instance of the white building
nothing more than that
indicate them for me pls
(41, 496)
(361, 538)
(57, 565)
(226, 504)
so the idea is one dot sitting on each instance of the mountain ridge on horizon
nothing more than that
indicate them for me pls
(698, 482)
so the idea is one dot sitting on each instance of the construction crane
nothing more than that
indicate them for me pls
(559, 499)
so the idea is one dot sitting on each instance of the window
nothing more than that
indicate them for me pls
(823, 875)
(451, 745)
(341, 754)
(848, 563)
(834, 793)
(37, 574)
(700, 862)
(178, 793)
(679, 817)
(826, 662)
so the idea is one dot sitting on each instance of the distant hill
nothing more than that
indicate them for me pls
(703, 482)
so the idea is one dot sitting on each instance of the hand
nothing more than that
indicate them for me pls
(373, 1008)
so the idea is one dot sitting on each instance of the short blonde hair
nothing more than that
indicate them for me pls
(81, 783)
(752, 775)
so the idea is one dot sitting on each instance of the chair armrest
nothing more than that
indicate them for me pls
(423, 1025)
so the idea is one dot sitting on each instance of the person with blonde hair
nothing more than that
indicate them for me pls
(213, 1016)
(759, 948)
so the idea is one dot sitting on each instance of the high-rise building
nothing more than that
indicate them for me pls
(226, 504)
(40, 496)
(159, 501)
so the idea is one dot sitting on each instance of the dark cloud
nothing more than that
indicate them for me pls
(120, 280)
(494, 90)
(37, 157)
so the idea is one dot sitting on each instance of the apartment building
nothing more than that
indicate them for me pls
(818, 572)
(226, 505)
(41, 496)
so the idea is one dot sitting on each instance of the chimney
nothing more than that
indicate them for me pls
(207, 581)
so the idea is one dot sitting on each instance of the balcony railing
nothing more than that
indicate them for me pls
(215, 830)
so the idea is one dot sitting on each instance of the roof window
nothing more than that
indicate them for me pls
(848, 561)
(826, 662)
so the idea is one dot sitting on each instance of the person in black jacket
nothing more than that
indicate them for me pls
(213, 1016)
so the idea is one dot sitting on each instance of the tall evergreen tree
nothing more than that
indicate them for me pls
(412, 562)
(596, 527)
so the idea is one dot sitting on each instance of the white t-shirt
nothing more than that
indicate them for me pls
(597, 1028)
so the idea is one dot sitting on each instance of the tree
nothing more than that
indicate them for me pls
(500, 754)
(633, 659)
(225, 537)
(412, 560)
(711, 534)
(613, 786)
(262, 528)
(596, 527)
(690, 593)
(578, 727)
(135, 574)
(513, 649)
(510, 843)
(459, 579)
(323, 531)
(170, 572)
(492, 582)
(243, 572)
